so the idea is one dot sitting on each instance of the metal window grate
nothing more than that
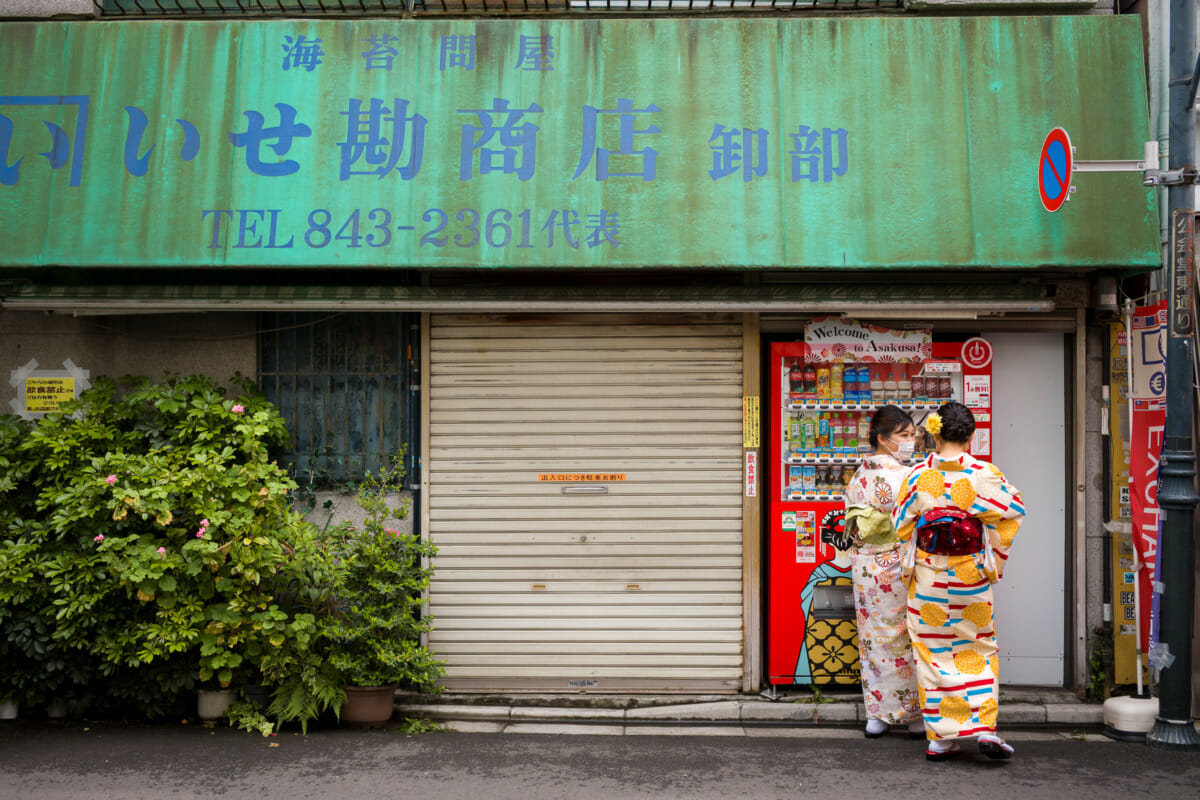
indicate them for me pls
(343, 383)
(218, 8)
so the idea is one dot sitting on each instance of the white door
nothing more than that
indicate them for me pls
(585, 498)
(1030, 446)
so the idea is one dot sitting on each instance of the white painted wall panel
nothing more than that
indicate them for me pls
(1030, 446)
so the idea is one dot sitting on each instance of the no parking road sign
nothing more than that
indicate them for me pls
(1057, 164)
(1054, 170)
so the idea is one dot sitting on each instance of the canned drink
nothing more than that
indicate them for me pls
(847, 476)
(810, 479)
(918, 388)
(823, 378)
(943, 387)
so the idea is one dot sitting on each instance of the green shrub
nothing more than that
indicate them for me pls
(140, 537)
(375, 632)
(152, 545)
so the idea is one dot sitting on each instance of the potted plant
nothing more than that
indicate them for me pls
(374, 632)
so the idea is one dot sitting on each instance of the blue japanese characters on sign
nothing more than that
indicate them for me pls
(381, 131)
(63, 150)
(377, 136)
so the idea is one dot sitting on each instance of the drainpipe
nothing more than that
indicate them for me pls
(1159, 28)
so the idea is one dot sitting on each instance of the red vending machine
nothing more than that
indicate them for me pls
(823, 391)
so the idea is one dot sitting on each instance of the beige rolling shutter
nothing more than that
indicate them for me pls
(630, 580)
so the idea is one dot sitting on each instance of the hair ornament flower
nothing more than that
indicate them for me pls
(933, 423)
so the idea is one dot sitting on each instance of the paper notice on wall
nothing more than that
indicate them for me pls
(977, 391)
(46, 395)
(751, 473)
(981, 443)
(803, 526)
(750, 422)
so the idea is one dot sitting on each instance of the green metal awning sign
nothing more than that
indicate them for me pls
(815, 143)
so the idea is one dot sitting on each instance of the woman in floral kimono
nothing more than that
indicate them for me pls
(884, 648)
(963, 515)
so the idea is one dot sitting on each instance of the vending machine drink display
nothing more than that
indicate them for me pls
(823, 391)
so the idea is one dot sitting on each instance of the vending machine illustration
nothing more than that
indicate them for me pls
(823, 391)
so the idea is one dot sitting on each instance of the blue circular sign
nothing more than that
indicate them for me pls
(1054, 170)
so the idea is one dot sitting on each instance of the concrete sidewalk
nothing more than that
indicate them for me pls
(790, 714)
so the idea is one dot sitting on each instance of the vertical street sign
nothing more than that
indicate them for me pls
(1183, 261)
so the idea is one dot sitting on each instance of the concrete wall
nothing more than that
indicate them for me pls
(41, 9)
(217, 345)
(343, 508)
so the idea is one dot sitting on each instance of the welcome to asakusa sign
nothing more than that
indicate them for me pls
(383, 142)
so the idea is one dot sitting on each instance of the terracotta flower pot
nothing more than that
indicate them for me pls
(368, 706)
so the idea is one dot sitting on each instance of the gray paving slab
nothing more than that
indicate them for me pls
(561, 729)
(527, 713)
(1021, 714)
(772, 712)
(466, 712)
(724, 710)
(1073, 714)
(836, 712)
(685, 730)
(805, 732)
(470, 726)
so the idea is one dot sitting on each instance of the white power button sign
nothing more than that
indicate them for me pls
(977, 352)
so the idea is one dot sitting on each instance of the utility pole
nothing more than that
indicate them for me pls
(1173, 727)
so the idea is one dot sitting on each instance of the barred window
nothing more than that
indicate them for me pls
(345, 384)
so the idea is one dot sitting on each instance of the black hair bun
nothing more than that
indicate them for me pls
(958, 423)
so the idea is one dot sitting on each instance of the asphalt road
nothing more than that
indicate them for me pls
(45, 761)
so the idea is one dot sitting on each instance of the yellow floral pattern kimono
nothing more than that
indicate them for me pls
(885, 654)
(950, 597)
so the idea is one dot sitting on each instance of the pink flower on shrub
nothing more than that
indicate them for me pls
(162, 551)
(200, 533)
(203, 523)
(392, 531)
(98, 538)
(110, 480)
(238, 408)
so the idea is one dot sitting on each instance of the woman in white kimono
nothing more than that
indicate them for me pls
(963, 515)
(880, 598)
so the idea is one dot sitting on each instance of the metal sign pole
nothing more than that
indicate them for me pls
(1177, 473)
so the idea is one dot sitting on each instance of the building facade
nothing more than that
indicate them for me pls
(544, 252)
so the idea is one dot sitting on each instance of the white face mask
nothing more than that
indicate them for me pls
(904, 450)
